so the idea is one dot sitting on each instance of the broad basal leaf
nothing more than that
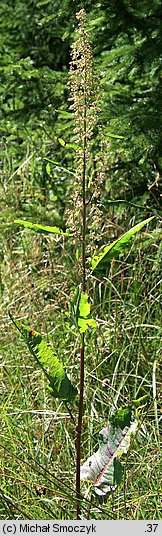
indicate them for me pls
(103, 468)
(112, 250)
(45, 229)
(59, 383)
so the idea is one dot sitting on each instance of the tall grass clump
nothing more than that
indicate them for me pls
(90, 359)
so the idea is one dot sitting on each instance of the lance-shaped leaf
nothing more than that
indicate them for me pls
(66, 115)
(119, 202)
(45, 229)
(112, 250)
(59, 167)
(59, 384)
(103, 468)
(114, 136)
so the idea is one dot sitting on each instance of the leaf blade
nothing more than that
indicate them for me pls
(42, 229)
(103, 468)
(84, 306)
(99, 261)
(59, 383)
(110, 135)
(84, 310)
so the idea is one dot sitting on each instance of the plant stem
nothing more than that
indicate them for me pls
(82, 349)
(79, 429)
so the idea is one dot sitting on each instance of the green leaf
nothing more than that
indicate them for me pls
(59, 383)
(114, 136)
(62, 142)
(65, 115)
(139, 403)
(103, 468)
(68, 145)
(122, 202)
(48, 169)
(116, 247)
(118, 471)
(58, 164)
(121, 417)
(79, 309)
(85, 323)
(84, 306)
(72, 146)
(77, 254)
(45, 229)
(84, 309)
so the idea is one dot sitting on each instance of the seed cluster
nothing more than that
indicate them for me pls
(84, 103)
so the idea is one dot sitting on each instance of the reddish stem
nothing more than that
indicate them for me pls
(78, 430)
